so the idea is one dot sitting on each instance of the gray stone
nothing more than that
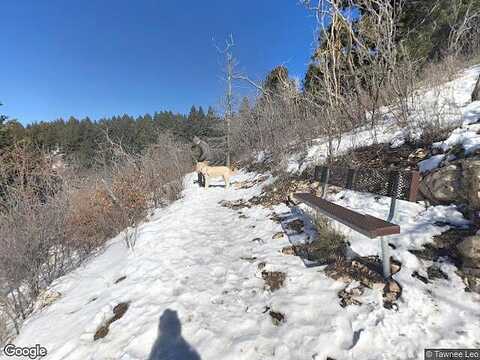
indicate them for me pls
(476, 91)
(470, 249)
(459, 183)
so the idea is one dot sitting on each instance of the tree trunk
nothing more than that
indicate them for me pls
(476, 91)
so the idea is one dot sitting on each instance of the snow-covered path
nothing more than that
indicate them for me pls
(198, 258)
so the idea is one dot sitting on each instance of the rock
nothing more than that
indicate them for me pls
(278, 235)
(417, 156)
(391, 293)
(315, 185)
(118, 312)
(434, 272)
(471, 277)
(395, 266)
(296, 225)
(455, 183)
(289, 250)
(476, 91)
(261, 265)
(442, 186)
(277, 317)
(469, 249)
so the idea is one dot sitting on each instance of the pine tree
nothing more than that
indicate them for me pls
(201, 113)
(210, 113)
(193, 115)
(5, 138)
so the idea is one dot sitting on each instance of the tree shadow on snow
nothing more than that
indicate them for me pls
(170, 344)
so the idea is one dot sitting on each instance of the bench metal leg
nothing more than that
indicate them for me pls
(385, 257)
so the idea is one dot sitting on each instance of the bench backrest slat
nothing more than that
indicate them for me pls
(402, 185)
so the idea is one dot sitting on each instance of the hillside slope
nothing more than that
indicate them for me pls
(203, 261)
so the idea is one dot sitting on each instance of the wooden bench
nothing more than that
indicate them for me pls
(398, 185)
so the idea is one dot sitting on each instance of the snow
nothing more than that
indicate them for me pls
(431, 163)
(471, 114)
(449, 103)
(466, 136)
(197, 258)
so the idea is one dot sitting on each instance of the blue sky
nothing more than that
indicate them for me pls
(99, 58)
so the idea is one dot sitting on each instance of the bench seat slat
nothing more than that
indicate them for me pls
(365, 224)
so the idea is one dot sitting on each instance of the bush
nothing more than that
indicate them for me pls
(51, 220)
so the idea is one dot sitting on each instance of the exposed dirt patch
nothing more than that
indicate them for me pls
(282, 189)
(381, 156)
(378, 156)
(321, 252)
(445, 245)
(118, 312)
(366, 270)
(274, 280)
(251, 183)
(289, 250)
(47, 298)
(235, 205)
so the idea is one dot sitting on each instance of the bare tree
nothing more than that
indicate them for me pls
(464, 26)
(229, 69)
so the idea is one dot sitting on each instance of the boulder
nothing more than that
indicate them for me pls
(470, 250)
(471, 277)
(476, 91)
(458, 182)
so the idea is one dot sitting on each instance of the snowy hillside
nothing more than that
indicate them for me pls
(204, 261)
(195, 285)
(449, 101)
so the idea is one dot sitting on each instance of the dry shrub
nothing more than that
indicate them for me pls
(331, 244)
(4, 333)
(85, 226)
(52, 221)
(137, 183)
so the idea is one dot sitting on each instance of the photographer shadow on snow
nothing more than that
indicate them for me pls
(170, 344)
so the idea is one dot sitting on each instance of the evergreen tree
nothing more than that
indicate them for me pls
(210, 113)
(201, 113)
(193, 115)
(5, 138)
